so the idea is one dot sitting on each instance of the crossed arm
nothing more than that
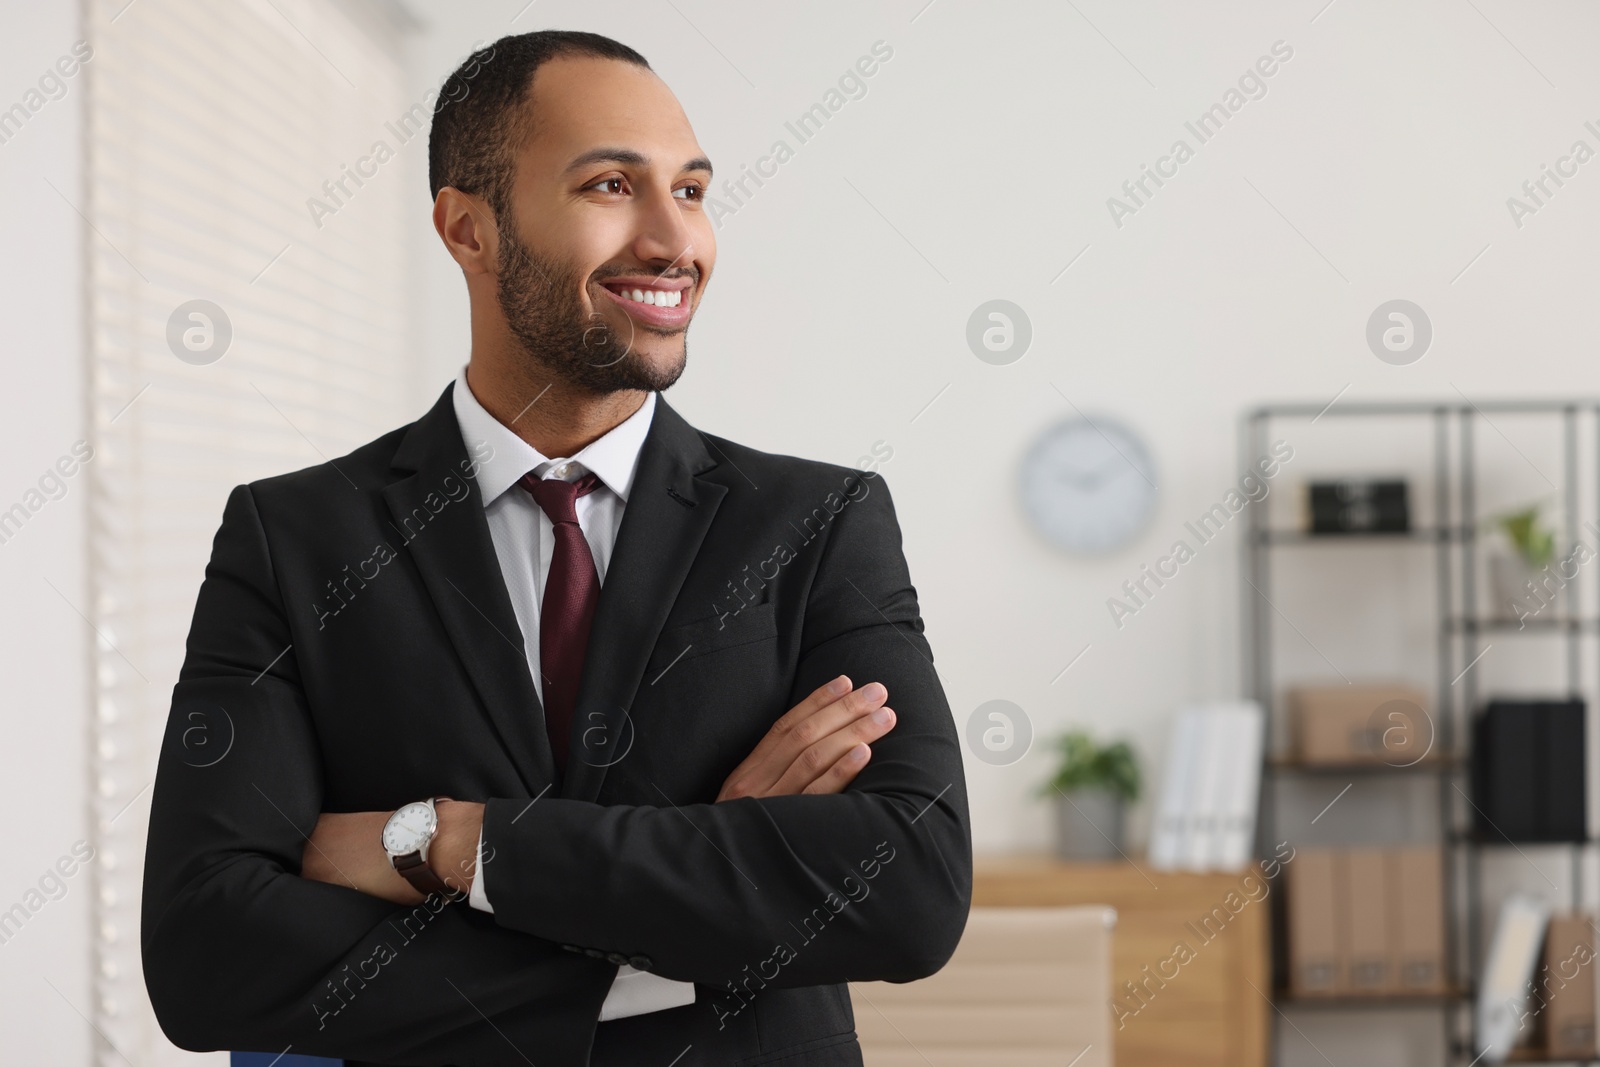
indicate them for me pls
(817, 747)
(244, 950)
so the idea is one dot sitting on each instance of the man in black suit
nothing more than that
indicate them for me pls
(375, 836)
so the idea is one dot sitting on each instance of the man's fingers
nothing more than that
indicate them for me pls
(826, 721)
(795, 745)
(820, 697)
(827, 708)
(808, 739)
(843, 771)
(819, 759)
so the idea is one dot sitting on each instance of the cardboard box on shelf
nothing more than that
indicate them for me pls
(1565, 983)
(1343, 724)
(1367, 922)
(1369, 948)
(1416, 880)
(1315, 967)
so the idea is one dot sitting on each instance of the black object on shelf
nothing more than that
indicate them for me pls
(1528, 771)
(1359, 506)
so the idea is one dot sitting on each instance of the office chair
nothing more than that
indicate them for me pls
(1027, 987)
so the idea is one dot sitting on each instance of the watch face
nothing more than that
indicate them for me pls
(1088, 486)
(409, 828)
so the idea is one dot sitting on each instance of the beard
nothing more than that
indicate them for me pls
(539, 298)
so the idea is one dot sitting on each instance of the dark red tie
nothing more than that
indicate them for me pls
(570, 594)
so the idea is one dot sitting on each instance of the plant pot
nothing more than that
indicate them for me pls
(1089, 825)
(1519, 591)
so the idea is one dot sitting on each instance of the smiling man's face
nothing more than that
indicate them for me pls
(606, 206)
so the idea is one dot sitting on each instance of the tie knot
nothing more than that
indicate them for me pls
(558, 498)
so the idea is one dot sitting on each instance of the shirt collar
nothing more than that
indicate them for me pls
(613, 457)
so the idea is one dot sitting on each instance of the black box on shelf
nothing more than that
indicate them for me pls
(1528, 771)
(1358, 506)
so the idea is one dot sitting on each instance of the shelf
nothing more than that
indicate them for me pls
(1447, 486)
(1446, 407)
(1371, 1001)
(1426, 766)
(1539, 1055)
(1536, 623)
(1429, 535)
(1500, 842)
(1467, 1051)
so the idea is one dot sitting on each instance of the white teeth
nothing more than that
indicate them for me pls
(657, 297)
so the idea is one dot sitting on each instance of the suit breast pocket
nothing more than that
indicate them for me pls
(691, 641)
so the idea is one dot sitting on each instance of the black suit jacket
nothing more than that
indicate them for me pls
(354, 648)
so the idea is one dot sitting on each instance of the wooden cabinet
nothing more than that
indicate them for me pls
(1190, 968)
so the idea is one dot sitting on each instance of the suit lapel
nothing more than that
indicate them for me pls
(449, 541)
(670, 508)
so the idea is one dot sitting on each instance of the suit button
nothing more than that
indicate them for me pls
(640, 963)
(594, 953)
(618, 958)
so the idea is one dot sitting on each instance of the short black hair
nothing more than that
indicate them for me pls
(479, 122)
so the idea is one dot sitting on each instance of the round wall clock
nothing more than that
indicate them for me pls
(1088, 486)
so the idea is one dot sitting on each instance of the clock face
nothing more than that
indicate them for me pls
(408, 828)
(1088, 485)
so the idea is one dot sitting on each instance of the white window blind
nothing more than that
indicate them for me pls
(210, 129)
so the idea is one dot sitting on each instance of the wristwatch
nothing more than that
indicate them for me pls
(406, 837)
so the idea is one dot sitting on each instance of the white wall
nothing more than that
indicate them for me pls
(44, 643)
(979, 164)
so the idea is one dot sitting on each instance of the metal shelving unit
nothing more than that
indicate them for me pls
(1461, 629)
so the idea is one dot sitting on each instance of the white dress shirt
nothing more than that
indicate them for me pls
(524, 541)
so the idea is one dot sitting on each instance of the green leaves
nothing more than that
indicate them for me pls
(1086, 765)
(1533, 543)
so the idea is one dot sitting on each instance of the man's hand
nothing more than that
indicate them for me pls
(819, 746)
(345, 849)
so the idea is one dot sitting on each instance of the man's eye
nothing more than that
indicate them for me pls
(695, 192)
(607, 181)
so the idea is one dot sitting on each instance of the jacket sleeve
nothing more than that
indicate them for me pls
(242, 953)
(871, 883)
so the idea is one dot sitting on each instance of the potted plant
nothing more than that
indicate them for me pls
(1092, 787)
(1517, 578)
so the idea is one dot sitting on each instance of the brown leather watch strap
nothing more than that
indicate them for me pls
(414, 869)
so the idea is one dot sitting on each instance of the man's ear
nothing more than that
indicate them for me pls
(466, 225)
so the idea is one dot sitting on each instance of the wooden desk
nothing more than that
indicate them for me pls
(1192, 1008)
